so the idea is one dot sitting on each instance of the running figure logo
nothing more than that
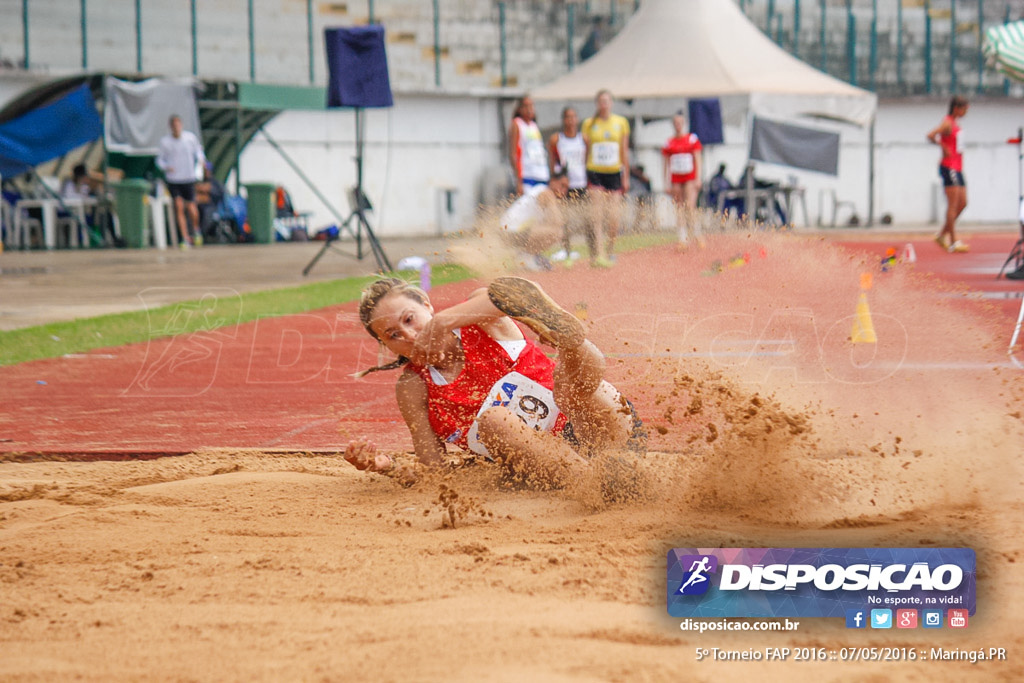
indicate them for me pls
(696, 580)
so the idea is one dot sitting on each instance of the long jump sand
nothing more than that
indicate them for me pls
(768, 428)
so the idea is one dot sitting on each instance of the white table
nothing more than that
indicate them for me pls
(768, 196)
(161, 217)
(49, 207)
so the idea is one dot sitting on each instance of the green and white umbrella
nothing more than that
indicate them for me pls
(1004, 49)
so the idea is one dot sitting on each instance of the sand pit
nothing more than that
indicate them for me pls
(768, 429)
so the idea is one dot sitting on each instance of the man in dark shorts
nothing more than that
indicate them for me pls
(181, 158)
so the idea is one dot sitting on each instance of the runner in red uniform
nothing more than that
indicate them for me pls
(682, 173)
(473, 379)
(951, 169)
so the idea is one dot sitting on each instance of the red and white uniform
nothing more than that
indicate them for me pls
(490, 376)
(681, 153)
(531, 157)
(952, 154)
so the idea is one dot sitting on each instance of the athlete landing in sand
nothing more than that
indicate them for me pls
(473, 379)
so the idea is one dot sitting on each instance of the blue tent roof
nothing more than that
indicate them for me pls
(49, 132)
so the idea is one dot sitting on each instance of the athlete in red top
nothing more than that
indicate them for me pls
(947, 136)
(682, 173)
(494, 404)
(453, 406)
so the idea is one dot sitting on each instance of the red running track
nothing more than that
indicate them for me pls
(284, 383)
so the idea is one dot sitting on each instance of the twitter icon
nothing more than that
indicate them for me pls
(881, 618)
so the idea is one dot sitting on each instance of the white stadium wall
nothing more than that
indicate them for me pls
(423, 147)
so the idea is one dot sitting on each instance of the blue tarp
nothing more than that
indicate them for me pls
(49, 132)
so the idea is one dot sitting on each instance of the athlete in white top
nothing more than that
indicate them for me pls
(181, 159)
(567, 149)
(526, 147)
(535, 221)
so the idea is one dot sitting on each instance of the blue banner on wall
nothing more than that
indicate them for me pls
(817, 582)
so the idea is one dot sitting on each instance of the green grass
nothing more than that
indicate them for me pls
(77, 336)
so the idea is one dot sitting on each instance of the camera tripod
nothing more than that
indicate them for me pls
(357, 224)
(1016, 256)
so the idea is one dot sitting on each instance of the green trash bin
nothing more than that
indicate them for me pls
(130, 201)
(261, 211)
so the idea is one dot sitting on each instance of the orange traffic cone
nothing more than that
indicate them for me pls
(863, 329)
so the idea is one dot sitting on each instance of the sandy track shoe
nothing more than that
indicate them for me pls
(524, 301)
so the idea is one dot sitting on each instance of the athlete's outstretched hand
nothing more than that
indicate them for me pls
(364, 456)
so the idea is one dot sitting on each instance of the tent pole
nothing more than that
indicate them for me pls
(105, 202)
(871, 173)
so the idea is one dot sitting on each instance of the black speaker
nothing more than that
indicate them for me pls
(706, 120)
(358, 67)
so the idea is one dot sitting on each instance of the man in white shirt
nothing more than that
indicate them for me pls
(181, 154)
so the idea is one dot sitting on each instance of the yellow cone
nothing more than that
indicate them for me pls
(863, 329)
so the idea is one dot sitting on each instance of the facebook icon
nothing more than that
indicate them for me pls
(856, 618)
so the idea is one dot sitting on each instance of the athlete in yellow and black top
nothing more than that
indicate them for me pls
(607, 138)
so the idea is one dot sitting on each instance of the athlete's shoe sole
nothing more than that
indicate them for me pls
(524, 301)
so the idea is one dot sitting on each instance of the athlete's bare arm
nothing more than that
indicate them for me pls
(411, 392)
(478, 310)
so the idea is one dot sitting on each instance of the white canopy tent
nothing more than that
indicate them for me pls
(675, 50)
(682, 49)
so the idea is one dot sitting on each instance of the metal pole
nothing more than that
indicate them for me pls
(952, 46)
(871, 174)
(138, 35)
(372, 14)
(821, 38)
(309, 36)
(778, 29)
(238, 150)
(25, 32)
(611, 13)
(504, 45)
(195, 40)
(437, 44)
(796, 28)
(873, 55)
(85, 36)
(769, 17)
(570, 29)
(851, 42)
(1006, 20)
(981, 41)
(252, 43)
(899, 45)
(928, 46)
